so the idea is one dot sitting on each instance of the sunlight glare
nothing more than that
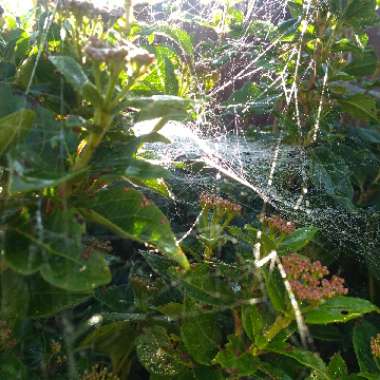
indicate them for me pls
(20, 7)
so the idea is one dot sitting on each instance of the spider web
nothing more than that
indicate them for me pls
(250, 170)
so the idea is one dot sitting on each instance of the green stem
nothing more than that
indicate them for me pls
(103, 122)
(280, 324)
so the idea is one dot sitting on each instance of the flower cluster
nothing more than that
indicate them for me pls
(99, 373)
(307, 279)
(375, 346)
(55, 347)
(81, 8)
(7, 342)
(56, 352)
(100, 51)
(279, 224)
(213, 201)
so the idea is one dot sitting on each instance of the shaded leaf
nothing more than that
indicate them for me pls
(158, 354)
(363, 332)
(304, 357)
(235, 357)
(13, 126)
(47, 300)
(130, 215)
(360, 106)
(201, 336)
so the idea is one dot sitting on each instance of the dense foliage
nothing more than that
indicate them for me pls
(96, 284)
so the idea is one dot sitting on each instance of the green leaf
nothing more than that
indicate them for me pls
(10, 103)
(205, 286)
(13, 126)
(274, 371)
(163, 78)
(298, 239)
(47, 300)
(20, 183)
(142, 170)
(130, 215)
(68, 267)
(201, 335)
(14, 297)
(177, 34)
(156, 106)
(11, 367)
(276, 290)
(339, 309)
(117, 340)
(157, 352)
(371, 135)
(33, 168)
(360, 106)
(60, 257)
(19, 253)
(74, 74)
(171, 82)
(235, 357)
(337, 367)
(331, 173)
(253, 321)
(363, 332)
(354, 12)
(362, 65)
(363, 375)
(306, 358)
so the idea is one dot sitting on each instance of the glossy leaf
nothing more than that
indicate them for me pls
(69, 266)
(339, 309)
(298, 239)
(337, 367)
(307, 358)
(253, 320)
(130, 215)
(75, 75)
(34, 169)
(62, 261)
(156, 106)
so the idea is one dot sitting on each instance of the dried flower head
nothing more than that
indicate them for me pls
(101, 51)
(55, 347)
(308, 281)
(99, 373)
(140, 56)
(279, 224)
(214, 201)
(7, 342)
(81, 8)
(375, 346)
